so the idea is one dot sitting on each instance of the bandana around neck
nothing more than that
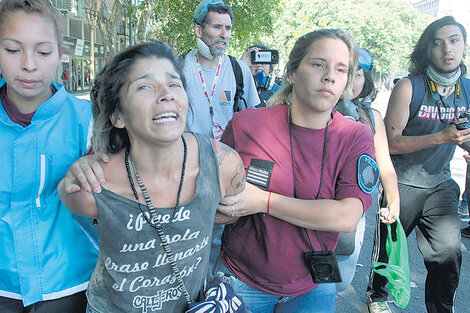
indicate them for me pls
(441, 80)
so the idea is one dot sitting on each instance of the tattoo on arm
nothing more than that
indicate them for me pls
(223, 152)
(236, 176)
(238, 179)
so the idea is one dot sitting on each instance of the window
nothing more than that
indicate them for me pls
(75, 28)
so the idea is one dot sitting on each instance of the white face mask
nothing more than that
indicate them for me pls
(204, 49)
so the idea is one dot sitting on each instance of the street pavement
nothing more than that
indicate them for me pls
(353, 299)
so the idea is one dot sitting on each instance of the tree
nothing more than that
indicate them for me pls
(387, 28)
(174, 22)
(109, 21)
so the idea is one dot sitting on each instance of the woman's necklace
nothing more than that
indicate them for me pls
(154, 220)
(155, 223)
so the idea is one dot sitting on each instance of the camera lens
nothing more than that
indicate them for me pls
(323, 270)
(466, 124)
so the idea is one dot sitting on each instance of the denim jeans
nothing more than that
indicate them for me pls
(319, 300)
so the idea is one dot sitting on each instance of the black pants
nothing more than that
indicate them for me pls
(75, 303)
(433, 212)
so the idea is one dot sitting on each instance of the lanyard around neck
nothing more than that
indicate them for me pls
(321, 172)
(216, 78)
(440, 99)
(322, 160)
(432, 86)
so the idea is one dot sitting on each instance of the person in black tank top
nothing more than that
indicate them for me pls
(422, 146)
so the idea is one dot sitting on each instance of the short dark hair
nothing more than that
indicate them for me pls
(420, 58)
(106, 91)
(218, 9)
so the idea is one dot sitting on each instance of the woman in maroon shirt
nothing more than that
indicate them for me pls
(305, 157)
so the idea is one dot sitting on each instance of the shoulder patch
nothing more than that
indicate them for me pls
(259, 173)
(368, 173)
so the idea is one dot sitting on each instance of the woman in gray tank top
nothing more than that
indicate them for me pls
(161, 185)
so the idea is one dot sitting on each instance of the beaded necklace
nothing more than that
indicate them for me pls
(155, 223)
(129, 163)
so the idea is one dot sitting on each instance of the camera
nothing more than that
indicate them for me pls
(466, 124)
(265, 57)
(323, 266)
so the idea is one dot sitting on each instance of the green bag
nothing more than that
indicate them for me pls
(397, 271)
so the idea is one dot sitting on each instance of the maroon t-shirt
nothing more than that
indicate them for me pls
(24, 119)
(266, 252)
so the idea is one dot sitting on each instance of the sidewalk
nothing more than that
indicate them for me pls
(82, 94)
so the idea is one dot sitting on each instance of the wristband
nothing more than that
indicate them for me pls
(269, 198)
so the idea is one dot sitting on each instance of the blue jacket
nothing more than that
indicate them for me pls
(44, 252)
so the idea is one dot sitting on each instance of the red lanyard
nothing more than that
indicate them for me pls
(216, 78)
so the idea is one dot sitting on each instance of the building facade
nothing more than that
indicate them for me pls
(76, 43)
(459, 9)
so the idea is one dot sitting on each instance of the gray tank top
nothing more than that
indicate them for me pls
(133, 273)
(428, 167)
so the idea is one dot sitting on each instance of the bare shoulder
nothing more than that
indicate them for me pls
(402, 92)
(115, 172)
(378, 119)
(116, 160)
(376, 114)
(224, 152)
(398, 109)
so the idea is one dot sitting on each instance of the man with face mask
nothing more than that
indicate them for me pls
(423, 128)
(208, 70)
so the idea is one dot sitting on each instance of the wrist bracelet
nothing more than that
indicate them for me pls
(269, 198)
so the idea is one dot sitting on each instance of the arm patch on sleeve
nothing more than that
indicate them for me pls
(259, 173)
(368, 173)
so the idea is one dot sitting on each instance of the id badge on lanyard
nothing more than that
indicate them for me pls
(217, 131)
(216, 128)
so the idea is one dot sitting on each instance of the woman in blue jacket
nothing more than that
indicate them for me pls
(46, 257)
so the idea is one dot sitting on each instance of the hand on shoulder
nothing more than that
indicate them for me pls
(86, 173)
